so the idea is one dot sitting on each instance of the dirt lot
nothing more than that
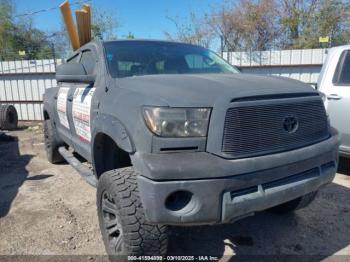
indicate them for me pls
(49, 209)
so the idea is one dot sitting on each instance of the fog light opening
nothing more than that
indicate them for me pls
(178, 200)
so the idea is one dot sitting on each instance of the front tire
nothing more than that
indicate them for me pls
(294, 204)
(123, 225)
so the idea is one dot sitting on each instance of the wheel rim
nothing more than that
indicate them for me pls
(111, 223)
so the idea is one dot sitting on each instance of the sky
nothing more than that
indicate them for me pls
(143, 18)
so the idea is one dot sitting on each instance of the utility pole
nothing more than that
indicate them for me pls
(53, 54)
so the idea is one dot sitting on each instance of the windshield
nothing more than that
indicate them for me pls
(132, 58)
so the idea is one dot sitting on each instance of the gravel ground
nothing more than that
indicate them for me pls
(48, 209)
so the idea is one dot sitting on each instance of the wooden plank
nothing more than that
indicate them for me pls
(70, 27)
(80, 17)
(86, 26)
(87, 8)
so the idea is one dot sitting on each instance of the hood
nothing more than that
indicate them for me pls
(204, 90)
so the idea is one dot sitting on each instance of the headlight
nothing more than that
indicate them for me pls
(177, 122)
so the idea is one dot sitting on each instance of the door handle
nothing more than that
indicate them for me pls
(334, 97)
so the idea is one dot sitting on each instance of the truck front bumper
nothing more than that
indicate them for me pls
(229, 189)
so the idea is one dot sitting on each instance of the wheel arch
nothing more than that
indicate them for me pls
(111, 144)
(107, 154)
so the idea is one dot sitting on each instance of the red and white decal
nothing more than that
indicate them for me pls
(81, 112)
(62, 106)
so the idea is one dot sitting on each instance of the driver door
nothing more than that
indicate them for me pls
(338, 96)
(80, 104)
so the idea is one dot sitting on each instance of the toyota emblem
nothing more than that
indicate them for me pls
(290, 124)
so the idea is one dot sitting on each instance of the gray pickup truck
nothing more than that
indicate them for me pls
(171, 134)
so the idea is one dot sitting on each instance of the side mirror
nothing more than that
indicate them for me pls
(73, 73)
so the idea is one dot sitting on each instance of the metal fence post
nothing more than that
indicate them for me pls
(53, 54)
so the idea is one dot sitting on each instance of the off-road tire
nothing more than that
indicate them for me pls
(52, 143)
(8, 117)
(294, 204)
(124, 229)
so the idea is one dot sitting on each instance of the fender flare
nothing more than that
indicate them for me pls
(112, 127)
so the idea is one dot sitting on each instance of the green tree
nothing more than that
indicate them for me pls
(245, 24)
(104, 24)
(6, 27)
(196, 31)
(268, 24)
(302, 22)
(130, 36)
(333, 20)
(20, 35)
(32, 40)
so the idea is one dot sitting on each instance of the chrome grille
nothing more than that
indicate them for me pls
(268, 128)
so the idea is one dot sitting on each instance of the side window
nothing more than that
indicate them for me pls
(129, 68)
(88, 60)
(160, 66)
(342, 72)
(196, 61)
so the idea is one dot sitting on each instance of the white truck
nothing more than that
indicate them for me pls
(334, 82)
